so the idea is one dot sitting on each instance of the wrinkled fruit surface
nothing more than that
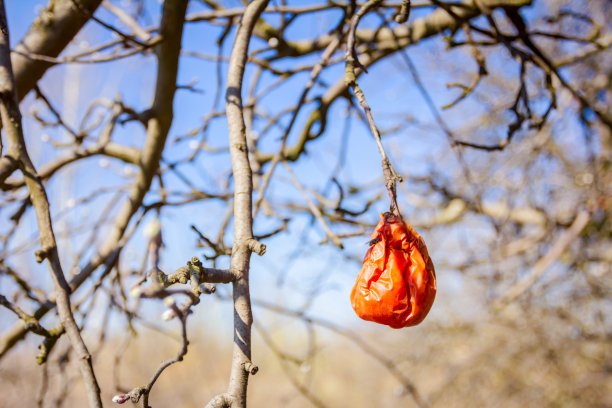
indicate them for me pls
(397, 283)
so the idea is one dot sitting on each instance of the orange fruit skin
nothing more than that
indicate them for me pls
(397, 283)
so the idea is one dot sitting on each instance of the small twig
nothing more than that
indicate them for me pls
(144, 391)
(47, 345)
(404, 12)
(217, 247)
(60, 121)
(352, 63)
(44, 386)
(467, 90)
(329, 51)
(33, 325)
(558, 248)
(88, 14)
(127, 20)
(169, 362)
(378, 355)
(76, 60)
(283, 359)
(313, 208)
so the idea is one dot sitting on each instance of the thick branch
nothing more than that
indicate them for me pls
(158, 126)
(243, 218)
(48, 35)
(11, 120)
(385, 38)
(387, 41)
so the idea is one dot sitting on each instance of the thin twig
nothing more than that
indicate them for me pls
(546, 261)
(31, 323)
(352, 63)
(313, 208)
(127, 20)
(127, 38)
(145, 391)
(404, 12)
(329, 51)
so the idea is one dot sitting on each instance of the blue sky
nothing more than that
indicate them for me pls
(390, 91)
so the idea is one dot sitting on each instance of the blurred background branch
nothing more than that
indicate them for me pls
(496, 114)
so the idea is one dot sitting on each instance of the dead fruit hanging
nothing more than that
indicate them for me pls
(397, 283)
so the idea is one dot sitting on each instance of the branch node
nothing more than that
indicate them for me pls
(256, 246)
(220, 401)
(208, 288)
(195, 261)
(47, 345)
(42, 254)
(250, 368)
(133, 396)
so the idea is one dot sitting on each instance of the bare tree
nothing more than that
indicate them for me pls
(493, 122)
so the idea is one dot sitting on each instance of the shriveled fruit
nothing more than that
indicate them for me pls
(397, 283)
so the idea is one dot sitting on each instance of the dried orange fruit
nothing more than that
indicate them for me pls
(397, 283)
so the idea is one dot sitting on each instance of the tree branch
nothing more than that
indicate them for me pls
(352, 63)
(11, 120)
(158, 125)
(50, 33)
(558, 248)
(387, 41)
(243, 216)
